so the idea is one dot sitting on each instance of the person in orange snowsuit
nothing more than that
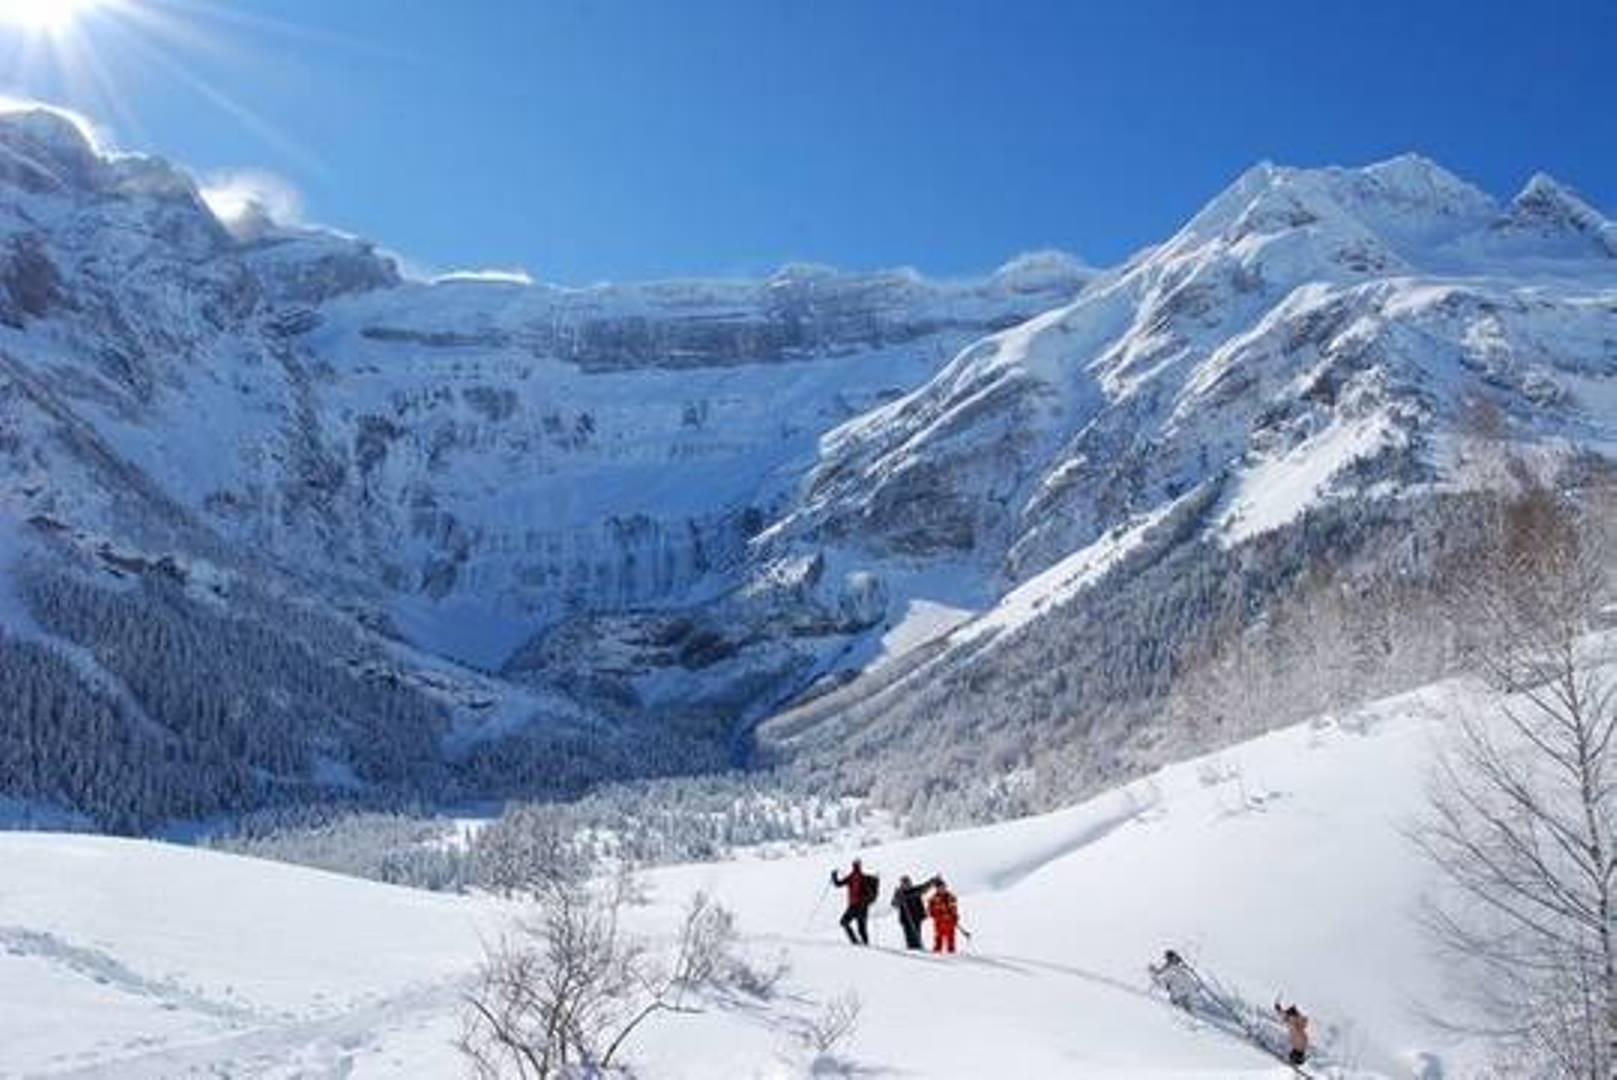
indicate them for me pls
(945, 913)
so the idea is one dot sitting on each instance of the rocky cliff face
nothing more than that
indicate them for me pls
(541, 453)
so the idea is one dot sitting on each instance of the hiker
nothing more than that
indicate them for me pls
(861, 894)
(1175, 976)
(909, 900)
(1297, 1030)
(945, 912)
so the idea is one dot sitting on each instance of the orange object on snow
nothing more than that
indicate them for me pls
(1296, 1030)
(945, 913)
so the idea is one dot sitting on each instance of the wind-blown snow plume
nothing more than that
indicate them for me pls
(251, 202)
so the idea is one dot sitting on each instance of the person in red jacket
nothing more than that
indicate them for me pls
(861, 894)
(945, 913)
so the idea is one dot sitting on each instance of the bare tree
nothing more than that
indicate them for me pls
(528, 851)
(1523, 822)
(550, 988)
(566, 989)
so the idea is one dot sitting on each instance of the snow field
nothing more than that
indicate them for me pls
(1278, 866)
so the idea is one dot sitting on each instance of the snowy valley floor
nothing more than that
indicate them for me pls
(1279, 865)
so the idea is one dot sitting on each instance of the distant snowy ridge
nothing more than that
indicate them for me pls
(1310, 335)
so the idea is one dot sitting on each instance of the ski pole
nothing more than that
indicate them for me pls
(825, 890)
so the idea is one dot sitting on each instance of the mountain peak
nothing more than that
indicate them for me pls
(49, 125)
(1398, 190)
(1541, 185)
(45, 149)
(1416, 174)
(1549, 200)
(1549, 210)
(1405, 206)
(1045, 268)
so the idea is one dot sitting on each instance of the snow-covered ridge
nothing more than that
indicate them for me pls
(1297, 301)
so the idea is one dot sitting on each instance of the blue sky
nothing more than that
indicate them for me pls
(595, 139)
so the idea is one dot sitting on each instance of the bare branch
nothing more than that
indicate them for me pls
(1521, 824)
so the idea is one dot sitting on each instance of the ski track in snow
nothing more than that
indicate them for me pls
(969, 956)
(258, 1046)
(106, 970)
(325, 1048)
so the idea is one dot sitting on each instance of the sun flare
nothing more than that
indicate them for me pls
(44, 16)
(80, 53)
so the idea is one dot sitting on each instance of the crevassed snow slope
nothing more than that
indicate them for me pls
(1279, 865)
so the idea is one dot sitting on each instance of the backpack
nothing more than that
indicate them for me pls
(872, 890)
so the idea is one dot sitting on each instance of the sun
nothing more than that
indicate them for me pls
(77, 54)
(53, 17)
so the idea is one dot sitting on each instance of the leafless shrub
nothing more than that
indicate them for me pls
(837, 1019)
(566, 989)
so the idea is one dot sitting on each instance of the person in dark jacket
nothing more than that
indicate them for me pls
(909, 900)
(861, 894)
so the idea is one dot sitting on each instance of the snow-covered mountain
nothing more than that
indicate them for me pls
(1303, 322)
(507, 450)
(1313, 341)
(510, 508)
(262, 416)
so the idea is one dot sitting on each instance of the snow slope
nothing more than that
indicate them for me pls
(1279, 865)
